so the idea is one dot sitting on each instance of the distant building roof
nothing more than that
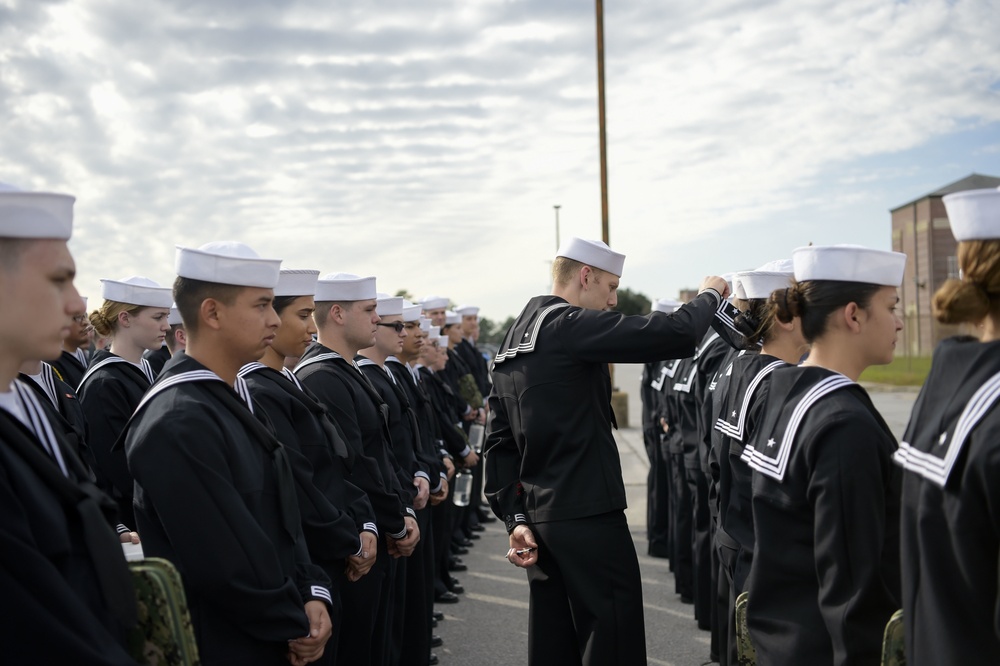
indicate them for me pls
(974, 181)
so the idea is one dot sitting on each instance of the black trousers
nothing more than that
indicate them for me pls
(416, 645)
(658, 496)
(683, 536)
(701, 548)
(364, 624)
(586, 594)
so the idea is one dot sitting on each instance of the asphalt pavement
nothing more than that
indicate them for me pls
(489, 625)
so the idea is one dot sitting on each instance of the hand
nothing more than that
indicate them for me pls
(522, 537)
(470, 460)
(449, 466)
(664, 425)
(441, 495)
(129, 537)
(404, 547)
(301, 651)
(359, 565)
(481, 416)
(716, 283)
(423, 492)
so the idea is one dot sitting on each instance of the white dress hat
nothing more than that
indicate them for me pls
(849, 263)
(227, 262)
(293, 282)
(345, 287)
(974, 214)
(137, 290)
(35, 214)
(593, 253)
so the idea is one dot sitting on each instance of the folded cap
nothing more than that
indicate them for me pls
(443, 341)
(174, 318)
(137, 290)
(425, 325)
(451, 318)
(35, 214)
(974, 214)
(849, 263)
(433, 332)
(593, 253)
(666, 305)
(411, 311)
(761, 282)
(345, 287)
(467, 310)
(434, 302)
(388, 306)
(296, 282)
(227, 262)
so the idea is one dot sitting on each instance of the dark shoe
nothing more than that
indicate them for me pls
(436, 641)
(463, 542)
(658, 550)
(438, 616)
(433, 660)
(434, 623)
(687, 599)
(459, 550)
(485, 516)
(446, 598)
(474, 536)
(477, 528)
(457, 566)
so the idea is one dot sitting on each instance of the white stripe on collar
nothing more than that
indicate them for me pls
(937, 469)
(736, 431)
(775, 466)
(527, 344)
(38, 423)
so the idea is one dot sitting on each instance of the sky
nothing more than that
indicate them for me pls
(427, 143)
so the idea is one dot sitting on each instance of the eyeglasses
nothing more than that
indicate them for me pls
(397, 326)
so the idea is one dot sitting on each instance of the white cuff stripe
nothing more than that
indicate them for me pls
(321, 592)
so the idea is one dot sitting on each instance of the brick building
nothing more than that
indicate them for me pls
(920, 229)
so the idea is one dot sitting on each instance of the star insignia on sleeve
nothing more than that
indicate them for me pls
(734, 413)
(770, 443)
(942, 439)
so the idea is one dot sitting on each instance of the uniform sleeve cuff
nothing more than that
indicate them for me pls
(466, 451)
(370, 527)
(400, 535)
(422, 475)
(711, 290)
(513, 521)
(122, 529)
(320, 593)
(413, 514)
(440, 485)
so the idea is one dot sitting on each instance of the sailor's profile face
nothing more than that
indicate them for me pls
(600, 289)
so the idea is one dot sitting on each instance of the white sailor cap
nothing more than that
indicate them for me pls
(387, 306)
(451, 318)
(174, 318)
(974, 214)
(296, 282)
(227, 262)
(593, 253)
(736, 287)
(666, 305)
(35, 214)
(849, 263)
(434, 302)
(467, 310)
(345, 287)
(761, 282)
(137, 290)
(425, 325)
(443, 341)
(433, 332)
(411, 311)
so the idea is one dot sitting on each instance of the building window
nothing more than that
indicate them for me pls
(953, 270)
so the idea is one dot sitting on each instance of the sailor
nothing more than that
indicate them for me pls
(736, 405)
(74, 357)
(67, 593)
(951, 454)
(134, 314)
(338, 519)
(825, 574)
(214, 491)
(173, 341)
(346, 319)
(553, 473)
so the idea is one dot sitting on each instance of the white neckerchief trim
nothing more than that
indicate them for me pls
(47, 380)
(194, 376)
(736, 431)
(528, 345)
(704, 347)
(81, 356)
(937, 469)
(775, 466)
(144, 366)
(685, 386)
(38, 423)
(666, 372)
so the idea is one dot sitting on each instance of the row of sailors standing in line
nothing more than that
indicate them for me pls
(310, 511)
(773, 473)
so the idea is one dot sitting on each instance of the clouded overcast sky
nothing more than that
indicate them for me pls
(427, 142)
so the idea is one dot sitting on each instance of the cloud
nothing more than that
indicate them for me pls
(427, 143)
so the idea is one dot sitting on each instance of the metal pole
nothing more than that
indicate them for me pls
(601, 122)
(557, 227)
